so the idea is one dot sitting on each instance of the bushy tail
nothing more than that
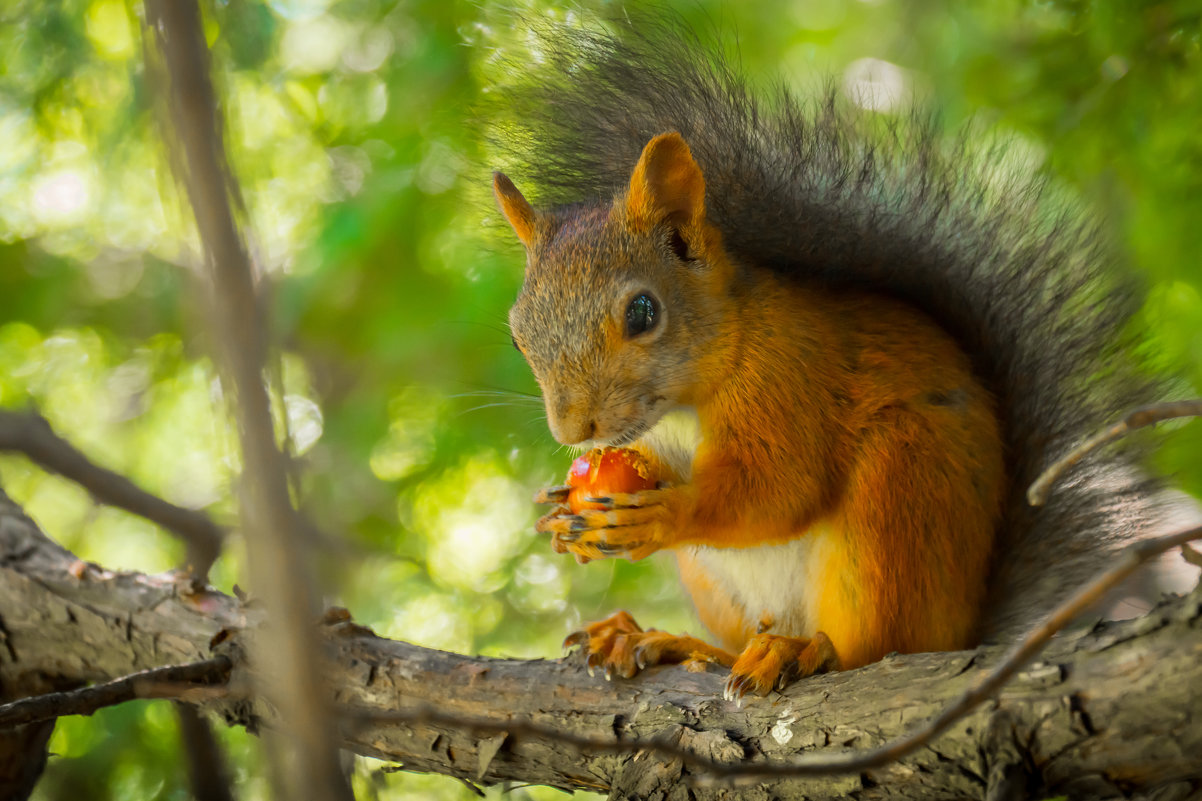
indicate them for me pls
(827, 193)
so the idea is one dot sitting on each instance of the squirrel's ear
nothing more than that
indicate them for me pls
(516, 208)
(667, 185)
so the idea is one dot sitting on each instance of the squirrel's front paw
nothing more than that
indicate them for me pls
(628, 524)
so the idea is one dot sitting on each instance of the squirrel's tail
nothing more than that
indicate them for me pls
(828, 193)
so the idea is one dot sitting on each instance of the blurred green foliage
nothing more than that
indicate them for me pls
(353, 130)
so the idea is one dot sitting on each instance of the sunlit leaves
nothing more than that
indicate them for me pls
(110, 30)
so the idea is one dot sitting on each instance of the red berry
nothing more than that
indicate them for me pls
(602, 471)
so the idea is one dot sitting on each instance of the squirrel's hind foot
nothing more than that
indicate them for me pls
(770, 661)
(621, 647)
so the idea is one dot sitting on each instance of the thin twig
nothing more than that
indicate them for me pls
(289, 651)
(164, 682)
(1041, 488)
(743, 774)
(29, 433)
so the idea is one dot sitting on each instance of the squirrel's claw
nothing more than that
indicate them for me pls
(553, 523)
(735, 688)
(565, 530)
(555, 495)
(574, 639)
(558, 522)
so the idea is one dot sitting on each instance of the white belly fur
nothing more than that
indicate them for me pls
(771, 582)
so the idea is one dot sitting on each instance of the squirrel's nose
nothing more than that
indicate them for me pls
(571, 415)
(569, 431)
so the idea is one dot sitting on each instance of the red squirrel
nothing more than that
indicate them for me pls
(843, 352)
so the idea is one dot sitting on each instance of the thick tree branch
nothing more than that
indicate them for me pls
(822, 764)
(29, 433)
(1116, 710)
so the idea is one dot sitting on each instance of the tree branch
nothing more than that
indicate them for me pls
(1116, 710)
(741, 775)
(171, 681)
(30, 434)
(1041, 489)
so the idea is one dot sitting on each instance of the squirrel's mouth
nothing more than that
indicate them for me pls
(628, 436)
(636, 429)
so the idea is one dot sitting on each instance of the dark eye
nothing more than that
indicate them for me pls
(641, 315)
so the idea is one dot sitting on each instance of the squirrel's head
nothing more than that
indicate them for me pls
(621, 301)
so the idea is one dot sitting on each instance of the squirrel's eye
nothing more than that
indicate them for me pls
(641, 315)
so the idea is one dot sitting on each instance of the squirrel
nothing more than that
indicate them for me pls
(845, 347)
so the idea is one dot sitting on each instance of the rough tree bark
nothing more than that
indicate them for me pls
(1112, 713)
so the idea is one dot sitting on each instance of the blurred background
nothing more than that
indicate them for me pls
(354, 129)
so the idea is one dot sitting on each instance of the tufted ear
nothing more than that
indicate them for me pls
(667, 186)
(516, 208)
